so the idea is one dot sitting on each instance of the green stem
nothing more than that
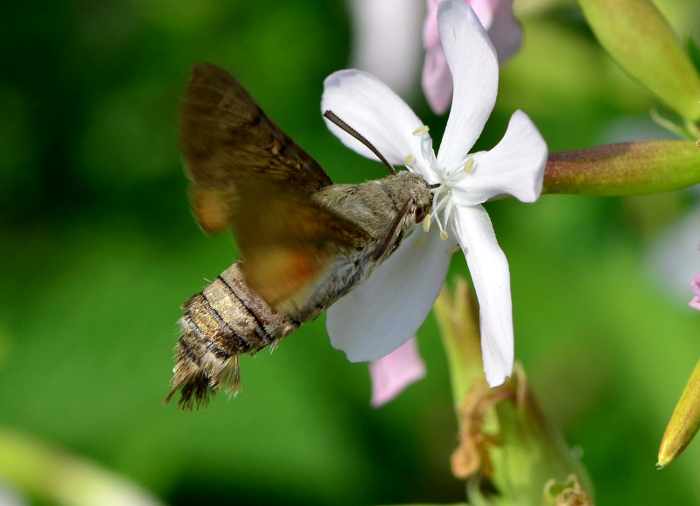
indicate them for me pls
(57, 477)
(628, 168)
(458, 320)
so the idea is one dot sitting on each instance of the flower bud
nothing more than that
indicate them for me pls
(627, 168)
(684, 422)
(641, 41)
(504, 437)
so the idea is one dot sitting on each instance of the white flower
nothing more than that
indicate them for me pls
(384, 312)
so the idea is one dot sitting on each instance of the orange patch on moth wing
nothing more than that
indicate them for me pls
(277, 274)
(212, 210)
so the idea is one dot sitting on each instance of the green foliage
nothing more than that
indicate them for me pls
(693, 53)
(640, 40)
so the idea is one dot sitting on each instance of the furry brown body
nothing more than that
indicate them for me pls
(305, 242)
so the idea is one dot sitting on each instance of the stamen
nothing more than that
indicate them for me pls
(448, 210)
(444, 235)
(426, 148)
(419, 241)
(421, 130)
(439, 201)
(408, 159)
(454, 250)
(469, 165)
(426, 223)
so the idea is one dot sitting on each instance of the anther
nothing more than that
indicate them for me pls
(426, 222)
(444, 235)
(419, 241)
(469, 165)
(408, 159)
(421, 130)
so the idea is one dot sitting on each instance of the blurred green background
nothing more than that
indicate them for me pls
(99, 250)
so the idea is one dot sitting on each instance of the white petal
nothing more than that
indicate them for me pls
(395, 372)
(474, 66)
(382, 313)
(514, 167)
(375, 111)
(489, 271)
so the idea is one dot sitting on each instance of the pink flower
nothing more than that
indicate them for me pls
(497, 18)
(396, 371)
(695, 285)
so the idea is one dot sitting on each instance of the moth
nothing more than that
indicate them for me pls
(304, 241)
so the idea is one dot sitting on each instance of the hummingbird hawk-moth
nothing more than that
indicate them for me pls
(304, 241)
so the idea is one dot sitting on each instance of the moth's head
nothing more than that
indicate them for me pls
(413, 188)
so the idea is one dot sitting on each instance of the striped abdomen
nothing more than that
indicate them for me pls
(224, 320)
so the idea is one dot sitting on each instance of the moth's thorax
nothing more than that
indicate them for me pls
(374, 205)
(387, 209)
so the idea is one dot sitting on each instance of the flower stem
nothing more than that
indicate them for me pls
(457, 317)
(629, 168)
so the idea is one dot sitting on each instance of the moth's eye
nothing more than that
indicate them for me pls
(419, 214)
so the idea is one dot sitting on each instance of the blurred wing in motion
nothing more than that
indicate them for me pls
(228, 139)
(289, 243)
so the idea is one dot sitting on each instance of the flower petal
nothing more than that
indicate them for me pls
(489, 271)
(695, 285)
(431, 35)
(437, 80)
(375, 111)
(505, 31)
(484, 10)
(393, 373)
(474, 66)
(382, 313)
(514, 167)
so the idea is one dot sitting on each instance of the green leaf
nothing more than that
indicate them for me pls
(693, 52)
(641, 41)
(628, 168)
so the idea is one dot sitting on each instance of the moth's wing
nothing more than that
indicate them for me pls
(289, 243)
(226, 139)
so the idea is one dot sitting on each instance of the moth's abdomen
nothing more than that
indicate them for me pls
(223, 321)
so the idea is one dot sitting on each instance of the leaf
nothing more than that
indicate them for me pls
(693, 52)
(640, 40)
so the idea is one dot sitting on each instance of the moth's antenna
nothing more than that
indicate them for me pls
(357, 135)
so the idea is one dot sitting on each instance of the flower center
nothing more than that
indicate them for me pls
(442, 194)
(441, 200)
